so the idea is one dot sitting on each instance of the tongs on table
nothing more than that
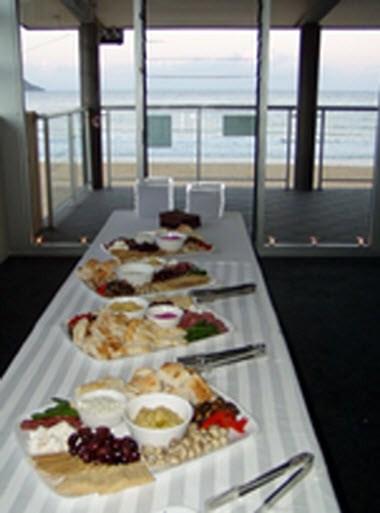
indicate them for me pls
(211, 294)
(207, 361)
(302, 462)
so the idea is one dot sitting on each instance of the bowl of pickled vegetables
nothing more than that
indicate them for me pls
(158, 418)
(133, 308)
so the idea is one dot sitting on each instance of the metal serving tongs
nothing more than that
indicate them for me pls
(302, 462)
(207, 361)
(207, 295)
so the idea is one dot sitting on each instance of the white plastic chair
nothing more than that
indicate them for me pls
(153, 195)
(206, 199)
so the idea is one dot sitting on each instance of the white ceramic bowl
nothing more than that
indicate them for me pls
(145, 236)
(166, 316)
(105, 407)
(158, 437)
(136, 273)
(116, 305)
(170, 241)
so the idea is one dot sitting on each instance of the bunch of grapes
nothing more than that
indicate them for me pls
(118, 288)
(147, 247)
(100, 445)
(172, 271)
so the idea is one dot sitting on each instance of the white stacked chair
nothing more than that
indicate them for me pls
(206, 199)
(153, 195)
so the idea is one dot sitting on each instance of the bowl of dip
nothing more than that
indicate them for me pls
(136, 273)
(158, 418)
(166, 316)
(170, 241)
(103, 407)
(132, 308)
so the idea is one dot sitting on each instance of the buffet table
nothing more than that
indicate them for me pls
(49, 365)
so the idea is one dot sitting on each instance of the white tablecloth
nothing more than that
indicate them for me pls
(49, 365)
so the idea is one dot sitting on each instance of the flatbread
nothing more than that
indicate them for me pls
(70, 476)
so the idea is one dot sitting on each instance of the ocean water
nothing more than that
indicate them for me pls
(349, 135)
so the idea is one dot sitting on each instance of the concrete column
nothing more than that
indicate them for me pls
(15, 212)
(139, 26)
(262, 78)
(90, 98)
(307, 106)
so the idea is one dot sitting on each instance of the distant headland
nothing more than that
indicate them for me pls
(31, 87)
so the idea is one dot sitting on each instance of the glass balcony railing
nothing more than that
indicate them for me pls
(203, 142)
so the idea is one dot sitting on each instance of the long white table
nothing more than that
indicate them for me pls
(49, 365)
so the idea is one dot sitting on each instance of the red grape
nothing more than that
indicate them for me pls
(102, 446)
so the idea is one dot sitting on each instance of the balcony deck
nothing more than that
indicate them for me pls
(331, 215)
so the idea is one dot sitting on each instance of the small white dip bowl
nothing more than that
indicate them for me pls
(155, 436)
(136, 273)
(120, 306)
(170, 241)
(103, 407)
(145, 236)
(166, 316)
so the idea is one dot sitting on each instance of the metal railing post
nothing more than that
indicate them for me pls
(199, 122)
(321, 150)
(109, 148)
(70, 136)
(198, 143)
(49, 189)
(288, 147)
(87, 147)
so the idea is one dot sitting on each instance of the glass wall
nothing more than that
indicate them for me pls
(207, 87)
(336, 209)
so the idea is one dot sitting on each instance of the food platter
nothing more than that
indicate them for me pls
(111, 333)
(157, 243)
(109, 279)
(79, 470)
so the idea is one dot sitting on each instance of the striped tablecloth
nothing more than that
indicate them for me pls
(48, 365)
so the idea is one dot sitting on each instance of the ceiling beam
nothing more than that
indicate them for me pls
(83, 10)
(317, 12)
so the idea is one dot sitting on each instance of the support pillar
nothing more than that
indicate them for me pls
(90, 99)
(15, 211)
(262, 78)
(139, 25)
(307, 106)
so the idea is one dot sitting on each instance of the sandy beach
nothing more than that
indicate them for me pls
(234, 174)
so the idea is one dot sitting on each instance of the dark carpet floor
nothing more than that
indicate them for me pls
(329, 312)
(328, 309)
(332, 215)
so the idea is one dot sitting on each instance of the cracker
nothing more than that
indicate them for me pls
(70, 476)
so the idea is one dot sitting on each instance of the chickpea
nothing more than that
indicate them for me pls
(215, 443)
(206, 446)
(214, 431)
(182, 454)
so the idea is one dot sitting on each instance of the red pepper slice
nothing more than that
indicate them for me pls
(201, 243)
(101, 290)
(72, 322)
(225, 419)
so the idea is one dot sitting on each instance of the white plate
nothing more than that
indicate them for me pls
(252, 429)
(168, 254)
(176, 509)
(172, 292)
(208, 343)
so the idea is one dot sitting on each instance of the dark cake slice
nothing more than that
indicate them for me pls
(174, 218)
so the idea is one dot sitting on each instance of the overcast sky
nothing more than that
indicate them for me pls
(349, 60)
